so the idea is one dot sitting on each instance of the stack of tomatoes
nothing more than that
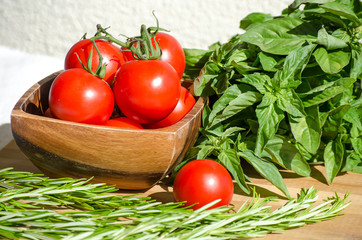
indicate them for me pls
(106, 84)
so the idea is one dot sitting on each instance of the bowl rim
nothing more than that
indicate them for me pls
(18, 111)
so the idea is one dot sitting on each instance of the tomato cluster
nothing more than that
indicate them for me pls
(110, 84)
(107, 84)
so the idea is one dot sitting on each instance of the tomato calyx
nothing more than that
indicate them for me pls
(101, 68)
(142, 47)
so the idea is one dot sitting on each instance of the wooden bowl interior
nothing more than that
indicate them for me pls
(59, 148)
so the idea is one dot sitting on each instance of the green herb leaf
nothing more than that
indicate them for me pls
(307, 129)
(329, 41)
(297, 3)
(325, 92)
(230, 159)
(333, 157)
(269, 116)
(285, 154)
(294, 64)
(333, 61)
(343, 10)
(266, 169)
(235, 105)
(280, 35)
(254, 18)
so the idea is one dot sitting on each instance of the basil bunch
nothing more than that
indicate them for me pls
(285, 93)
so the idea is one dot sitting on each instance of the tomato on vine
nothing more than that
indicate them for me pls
(78, 96)
(81, 51)
(201, 182)
(172, 51)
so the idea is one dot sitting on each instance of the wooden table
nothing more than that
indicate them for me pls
(347, 226)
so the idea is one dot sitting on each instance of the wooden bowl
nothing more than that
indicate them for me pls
(126, 158)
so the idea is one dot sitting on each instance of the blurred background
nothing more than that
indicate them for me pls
(36, 35)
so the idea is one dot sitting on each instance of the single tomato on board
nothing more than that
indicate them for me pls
(78, 96)
(172, 52)
(201, 182)
(112, 57)
(146, 91)
(184, 105)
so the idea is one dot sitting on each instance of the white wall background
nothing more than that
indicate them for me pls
(35, 35)
(50, 27)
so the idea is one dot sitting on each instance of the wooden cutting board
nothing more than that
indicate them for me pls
(347, 226)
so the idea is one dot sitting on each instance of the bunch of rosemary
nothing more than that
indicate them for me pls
(33, 206)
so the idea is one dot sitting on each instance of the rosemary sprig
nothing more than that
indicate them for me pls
(30, 207)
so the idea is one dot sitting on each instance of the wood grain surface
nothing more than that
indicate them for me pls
(347, 226)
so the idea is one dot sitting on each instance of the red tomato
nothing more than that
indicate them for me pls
(146, 91)
(78, 96)
(184, 105)
(123, 122)
(172, 52)
(201, 182)
(112, 56)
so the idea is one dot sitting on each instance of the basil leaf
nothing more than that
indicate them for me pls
(242, 101)
(293, 65)
(355, 118)
(267, 169)
(229, 95)
(280, 35)
(333, 61)
(205, 115)
(238, 55)
(257, 80)
(333, 158)
(268, 61)
(254, 18)
(230, 159)
(195, 59)
(289, 102)
(243, 67)
(340, 9)
(353, 163)
(356, 63)
(285, 154)
(333, 122)
(307, 129)
(326, 91)
(297, 3)
(357, 144)
(202, 84)
(269, 116)
(205, 151)
(329, 41)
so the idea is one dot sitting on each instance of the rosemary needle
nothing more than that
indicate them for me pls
(33, 206)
